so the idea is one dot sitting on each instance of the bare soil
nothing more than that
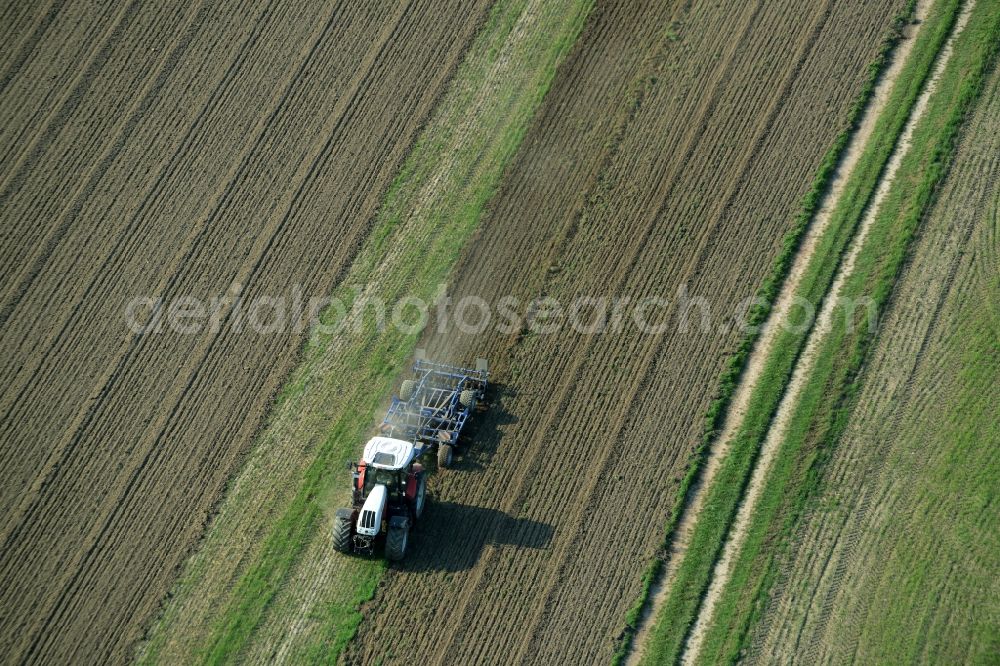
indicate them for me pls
(171, 149)
(672, 151)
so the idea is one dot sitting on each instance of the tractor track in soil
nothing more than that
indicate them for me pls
(762, 348)
(833, 547)
(804, 365)
(520, 550)
(145, 171)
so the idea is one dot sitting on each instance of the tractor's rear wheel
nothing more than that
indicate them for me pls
(445, 455)
(342, 531)
(397, 538)
(406, 390)
(467, 398)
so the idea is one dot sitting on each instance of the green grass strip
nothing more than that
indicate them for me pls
(425, 263)
(767, 294)
(694, 574)
(825, 406)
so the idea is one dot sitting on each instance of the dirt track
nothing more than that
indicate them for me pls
(844, 554)
(680, 164)
(191, 148)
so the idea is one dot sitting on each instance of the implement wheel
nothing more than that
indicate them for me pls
(406, 390)
(467, 398)
(445, 455)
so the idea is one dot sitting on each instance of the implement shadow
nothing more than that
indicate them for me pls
(484, 431)
(451, 536)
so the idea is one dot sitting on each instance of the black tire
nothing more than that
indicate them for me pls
(342, 531)
(445, 455)
(397, 538)
(420, 501)
(406, 390)
(467, 398)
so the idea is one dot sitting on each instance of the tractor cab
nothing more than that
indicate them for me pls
(387, 462)
(389, 454)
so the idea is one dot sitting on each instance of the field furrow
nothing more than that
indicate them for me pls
(804, 367)
(604, 198)
(834, 555)
(541, 519)
(118, 267)
(263, 195)
(843, 516)
(53, 158)
(38, 78)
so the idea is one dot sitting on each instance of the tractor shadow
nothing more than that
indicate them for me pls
(484, 431)
(452, 536)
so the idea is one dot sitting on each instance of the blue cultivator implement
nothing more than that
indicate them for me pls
(434, 404)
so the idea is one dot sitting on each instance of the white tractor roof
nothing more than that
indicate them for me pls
(388, 453)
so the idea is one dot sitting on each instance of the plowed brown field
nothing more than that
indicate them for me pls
(170, 149)
(672, 152)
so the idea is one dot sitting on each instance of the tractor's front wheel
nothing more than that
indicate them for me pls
(445, 454)
(421, 498)
(397, 538)
(342, 531)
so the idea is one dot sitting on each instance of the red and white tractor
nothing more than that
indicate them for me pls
(390, 490)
